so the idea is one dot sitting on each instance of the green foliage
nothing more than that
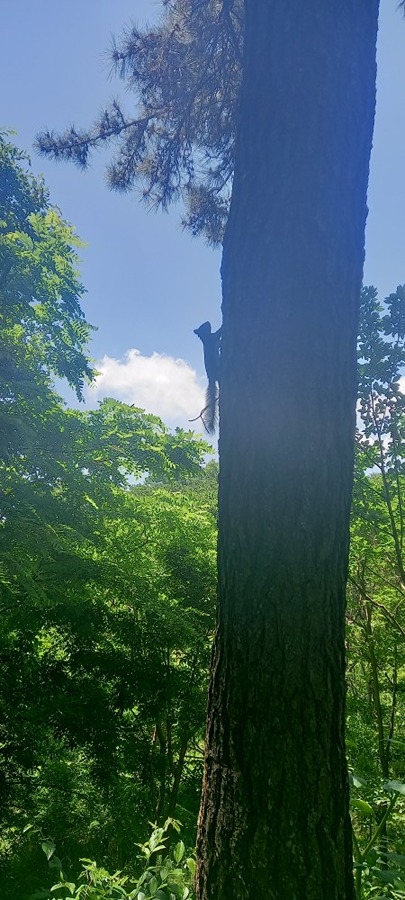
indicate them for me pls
(43, 327)
(378, 871)
(105, 655)
(109, 632)
(167, 873)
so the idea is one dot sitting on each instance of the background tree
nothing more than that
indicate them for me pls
(376, 626)
(43, 329)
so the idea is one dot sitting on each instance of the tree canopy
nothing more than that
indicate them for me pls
(185, 74)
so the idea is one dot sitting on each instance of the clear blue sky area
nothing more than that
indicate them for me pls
(150, 284)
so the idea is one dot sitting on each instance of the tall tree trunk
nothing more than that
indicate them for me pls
(274, 819)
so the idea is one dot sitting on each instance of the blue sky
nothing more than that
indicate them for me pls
(149, 284)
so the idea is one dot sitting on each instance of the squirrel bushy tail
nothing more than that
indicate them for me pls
(209, 413)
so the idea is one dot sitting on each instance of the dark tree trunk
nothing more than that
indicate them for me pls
(274, 819)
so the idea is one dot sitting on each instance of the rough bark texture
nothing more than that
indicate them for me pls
(274, 819)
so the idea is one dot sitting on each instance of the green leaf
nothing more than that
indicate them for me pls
(179, 851)
(153, 885)
(25, 239)
(94, 505)
(398, 787)
(356, 781)
(398, 858)
(363, 807)
(388, 876)
(48, 848)
(190, 862)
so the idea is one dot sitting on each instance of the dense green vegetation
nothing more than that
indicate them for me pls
(108, 583)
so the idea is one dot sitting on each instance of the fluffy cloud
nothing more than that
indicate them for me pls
(159, 384)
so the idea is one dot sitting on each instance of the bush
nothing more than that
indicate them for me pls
(167, 875)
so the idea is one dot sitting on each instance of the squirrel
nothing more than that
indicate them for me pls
(211, 341)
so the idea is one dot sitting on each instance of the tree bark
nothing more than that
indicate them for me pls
(274, 818)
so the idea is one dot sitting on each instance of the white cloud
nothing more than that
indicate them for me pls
(158, 384)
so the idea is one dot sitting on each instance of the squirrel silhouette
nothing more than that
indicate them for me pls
(211, 341)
